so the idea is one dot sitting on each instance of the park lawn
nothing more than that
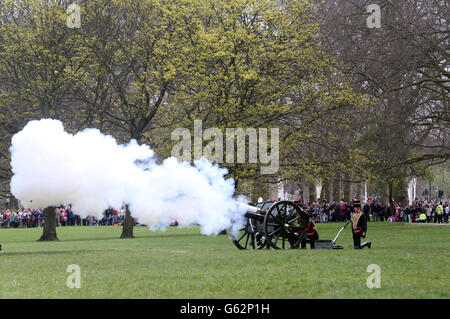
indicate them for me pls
(182, 263)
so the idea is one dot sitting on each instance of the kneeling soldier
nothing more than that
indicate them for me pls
(359, 227)
(311, 234)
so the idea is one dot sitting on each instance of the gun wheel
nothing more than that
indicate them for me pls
(247, 236)
(284, 225)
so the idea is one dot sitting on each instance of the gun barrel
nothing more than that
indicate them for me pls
(255, 216)
(249, 208)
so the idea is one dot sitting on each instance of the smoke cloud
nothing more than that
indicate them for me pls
(93, 172)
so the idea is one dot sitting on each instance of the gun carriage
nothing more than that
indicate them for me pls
(276, 225)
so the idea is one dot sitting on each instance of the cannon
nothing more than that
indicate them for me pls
(280, 226)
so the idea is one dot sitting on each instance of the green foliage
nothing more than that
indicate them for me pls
(440, 176)
(38, 59)
(140, 69)
(259, 64)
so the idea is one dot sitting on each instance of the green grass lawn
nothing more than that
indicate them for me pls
(182, 263)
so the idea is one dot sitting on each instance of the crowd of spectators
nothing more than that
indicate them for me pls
(21, 218)
(435, 211)
(28, 218)
(421, 211)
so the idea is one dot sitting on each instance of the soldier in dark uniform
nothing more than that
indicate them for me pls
(311, 234)
(333, 212)
(349, 211)
(359, 227)
(366, 210)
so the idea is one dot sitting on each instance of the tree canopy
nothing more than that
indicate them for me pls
(350, 103)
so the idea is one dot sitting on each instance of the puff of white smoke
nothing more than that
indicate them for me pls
(93, 172)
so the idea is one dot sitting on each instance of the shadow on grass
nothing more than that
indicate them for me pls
(54, 252)
(68, 240)
(136, 237)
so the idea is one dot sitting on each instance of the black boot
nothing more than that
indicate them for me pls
(367, 243)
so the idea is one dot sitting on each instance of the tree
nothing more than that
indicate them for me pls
(402, 67)
(137, 51)
(37, 70)
(49, 232)
(128, 224)
(260, 64)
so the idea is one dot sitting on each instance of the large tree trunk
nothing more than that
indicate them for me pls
(347, 189)
(49, 233)
(391, 197)
(336, 189)
(312, 193)
(128, 224)
(358, 191)
(326, 191)
(402, 193)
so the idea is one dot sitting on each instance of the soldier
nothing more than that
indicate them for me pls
(366, 210)
(359, 227)
(311, 234)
